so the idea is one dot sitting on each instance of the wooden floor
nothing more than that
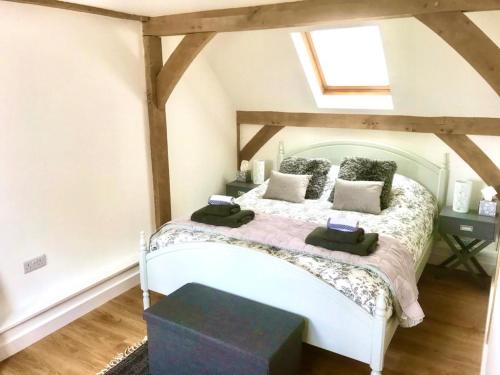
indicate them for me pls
(449, 341)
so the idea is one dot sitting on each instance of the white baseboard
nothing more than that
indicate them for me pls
(487, 257)
(28, 332)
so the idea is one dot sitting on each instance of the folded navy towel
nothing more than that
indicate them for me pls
(233, 221)
(221, 210)
(363, 248)
(220, 200)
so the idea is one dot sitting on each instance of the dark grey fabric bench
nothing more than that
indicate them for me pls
(199, 330)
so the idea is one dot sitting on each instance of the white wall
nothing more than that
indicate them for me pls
(74, 165)
(201, 125)
(75, 178)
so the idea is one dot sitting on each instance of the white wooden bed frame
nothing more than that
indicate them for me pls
(334, 322)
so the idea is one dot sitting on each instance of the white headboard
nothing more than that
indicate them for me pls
(430, 175)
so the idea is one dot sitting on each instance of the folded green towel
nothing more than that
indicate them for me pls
(365, 247)
(221, 209)
(234, 221)
(341, 236)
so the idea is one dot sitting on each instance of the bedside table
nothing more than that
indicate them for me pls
(480, 230)
(236, 188)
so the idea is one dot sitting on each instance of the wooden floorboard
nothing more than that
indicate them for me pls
(449, 341)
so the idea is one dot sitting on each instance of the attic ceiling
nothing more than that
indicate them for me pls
(260, 70)
(164, 7)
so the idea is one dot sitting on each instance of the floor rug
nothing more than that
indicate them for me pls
(134, 361)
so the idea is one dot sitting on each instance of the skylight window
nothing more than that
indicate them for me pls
(345, 67)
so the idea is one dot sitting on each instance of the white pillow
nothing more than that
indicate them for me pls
(360, 196)
(287, 187)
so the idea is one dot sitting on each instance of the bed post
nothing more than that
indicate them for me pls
(281, 153)
(378, 335)
(443, 181)
(143, 268)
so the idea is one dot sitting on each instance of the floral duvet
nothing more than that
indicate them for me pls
(408, 219)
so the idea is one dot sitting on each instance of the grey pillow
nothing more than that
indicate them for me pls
(360, 196)
(363, 169)
(317, 168)
(287, 187)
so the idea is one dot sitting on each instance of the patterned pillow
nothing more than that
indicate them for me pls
(317, 168)
(363, 169)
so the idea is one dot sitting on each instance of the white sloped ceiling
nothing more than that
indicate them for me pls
(163, 7)
(261, 71)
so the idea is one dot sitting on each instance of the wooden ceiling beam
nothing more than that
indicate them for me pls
(449, 133)
(258, 140)
(304, 13)
(469, 41)
(178, 62)
(474, 157)
(158, 141)
(414, 124)
(82, 8)
(161, 80)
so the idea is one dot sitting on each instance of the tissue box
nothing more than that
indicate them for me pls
(488, 208)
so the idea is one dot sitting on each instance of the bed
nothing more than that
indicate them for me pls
(350, 310)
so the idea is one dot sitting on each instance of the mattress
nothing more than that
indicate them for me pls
(409, 219)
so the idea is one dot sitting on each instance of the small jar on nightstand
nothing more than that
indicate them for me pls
(237, 189)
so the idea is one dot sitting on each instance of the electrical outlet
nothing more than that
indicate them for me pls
(35, 263)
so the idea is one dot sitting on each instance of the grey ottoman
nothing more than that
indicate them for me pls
(199, 330)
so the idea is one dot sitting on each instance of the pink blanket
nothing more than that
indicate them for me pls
(391, 259)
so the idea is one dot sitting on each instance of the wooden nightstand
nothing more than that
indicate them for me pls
(236, 188)
(480, 231)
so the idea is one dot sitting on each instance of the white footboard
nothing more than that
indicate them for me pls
(334, 322)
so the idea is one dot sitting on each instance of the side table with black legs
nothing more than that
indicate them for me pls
(466, 235)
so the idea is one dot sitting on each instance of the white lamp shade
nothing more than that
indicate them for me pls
(258, 172)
